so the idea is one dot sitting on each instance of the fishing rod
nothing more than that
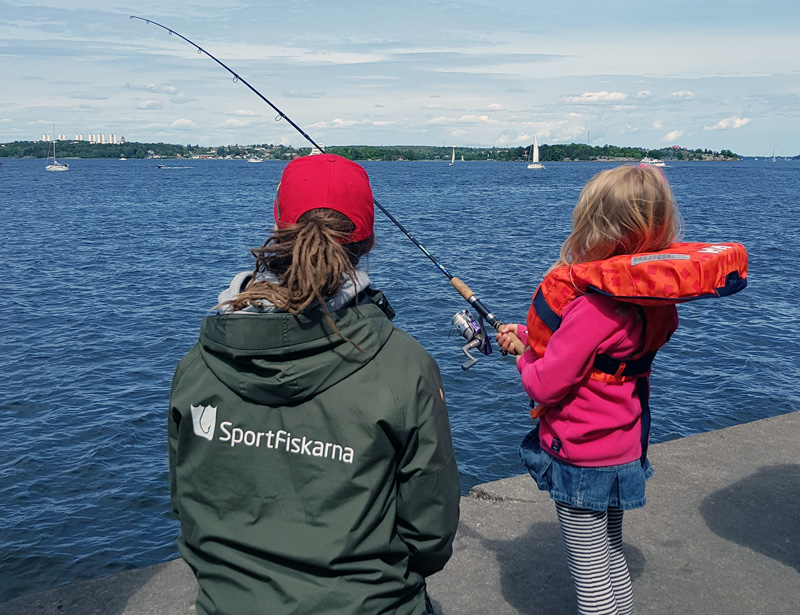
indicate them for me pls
(466, 325)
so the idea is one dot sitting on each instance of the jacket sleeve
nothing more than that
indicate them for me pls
(429, 487)
(590, 324)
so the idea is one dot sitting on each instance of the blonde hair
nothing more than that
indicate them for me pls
(621, 211)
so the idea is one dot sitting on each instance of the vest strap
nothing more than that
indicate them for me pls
(547, 315)
(620, 368)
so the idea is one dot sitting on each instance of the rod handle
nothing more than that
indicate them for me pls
(467, 293)
(462, 288)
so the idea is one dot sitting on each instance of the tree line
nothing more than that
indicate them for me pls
(547, 153)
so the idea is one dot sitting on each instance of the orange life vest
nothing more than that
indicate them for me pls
(652, 280)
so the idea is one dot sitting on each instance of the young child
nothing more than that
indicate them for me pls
(590, 380)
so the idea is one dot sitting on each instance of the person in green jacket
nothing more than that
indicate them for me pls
(311, 461)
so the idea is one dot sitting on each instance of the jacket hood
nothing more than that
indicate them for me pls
(278, 359)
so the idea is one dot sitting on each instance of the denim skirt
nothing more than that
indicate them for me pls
(620, 486)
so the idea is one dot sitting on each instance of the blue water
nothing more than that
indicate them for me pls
(109, 268)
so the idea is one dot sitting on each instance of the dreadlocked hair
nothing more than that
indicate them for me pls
(309, 261)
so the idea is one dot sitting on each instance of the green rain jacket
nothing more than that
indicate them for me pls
(310, 476)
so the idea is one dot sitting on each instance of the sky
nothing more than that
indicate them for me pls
(694, 73)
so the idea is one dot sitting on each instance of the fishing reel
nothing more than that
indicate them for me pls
(475, 334)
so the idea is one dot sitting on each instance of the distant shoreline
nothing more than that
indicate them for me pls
(571, 152)
(618, 160)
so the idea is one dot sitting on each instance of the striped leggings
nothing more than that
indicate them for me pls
(596, 560)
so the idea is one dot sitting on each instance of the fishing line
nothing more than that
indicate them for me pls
(460, 286)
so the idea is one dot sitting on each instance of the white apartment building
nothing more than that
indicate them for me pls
(92, 138)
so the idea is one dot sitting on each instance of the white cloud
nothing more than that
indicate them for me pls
(591, 97)
(477, 118)
(304, 94)
(682, 95)
(729, 123)
(150, 105)
(183, 123)
(495, 107)
(234, 123)
(181, 99)
(644, 94)
(161, 89)
(657, 125)
(671, 136)
(246, 113)
(335, 123)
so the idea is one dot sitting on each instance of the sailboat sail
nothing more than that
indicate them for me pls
(534, 163)
(55, 165)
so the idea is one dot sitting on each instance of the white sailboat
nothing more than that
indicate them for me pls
(773, 153)
(55, 165)
(453, 159)
(534, 163)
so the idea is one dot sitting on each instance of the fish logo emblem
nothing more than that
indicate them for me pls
(204, 420)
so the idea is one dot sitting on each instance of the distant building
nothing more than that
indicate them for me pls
(91, 138)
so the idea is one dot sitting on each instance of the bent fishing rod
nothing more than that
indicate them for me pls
(463, 321)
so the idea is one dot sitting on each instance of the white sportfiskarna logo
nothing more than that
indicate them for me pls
(204, 420)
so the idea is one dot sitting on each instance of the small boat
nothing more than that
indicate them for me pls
(254, 160)
(652, 162)
(55, 165)
(453, 159)
(534, 158)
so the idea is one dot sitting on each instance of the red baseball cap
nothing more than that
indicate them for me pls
(326, 181)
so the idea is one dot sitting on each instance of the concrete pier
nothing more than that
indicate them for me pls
(720, 534)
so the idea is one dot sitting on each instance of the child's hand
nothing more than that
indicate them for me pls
(509, 337)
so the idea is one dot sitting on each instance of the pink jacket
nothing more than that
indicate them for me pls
(588, 422)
